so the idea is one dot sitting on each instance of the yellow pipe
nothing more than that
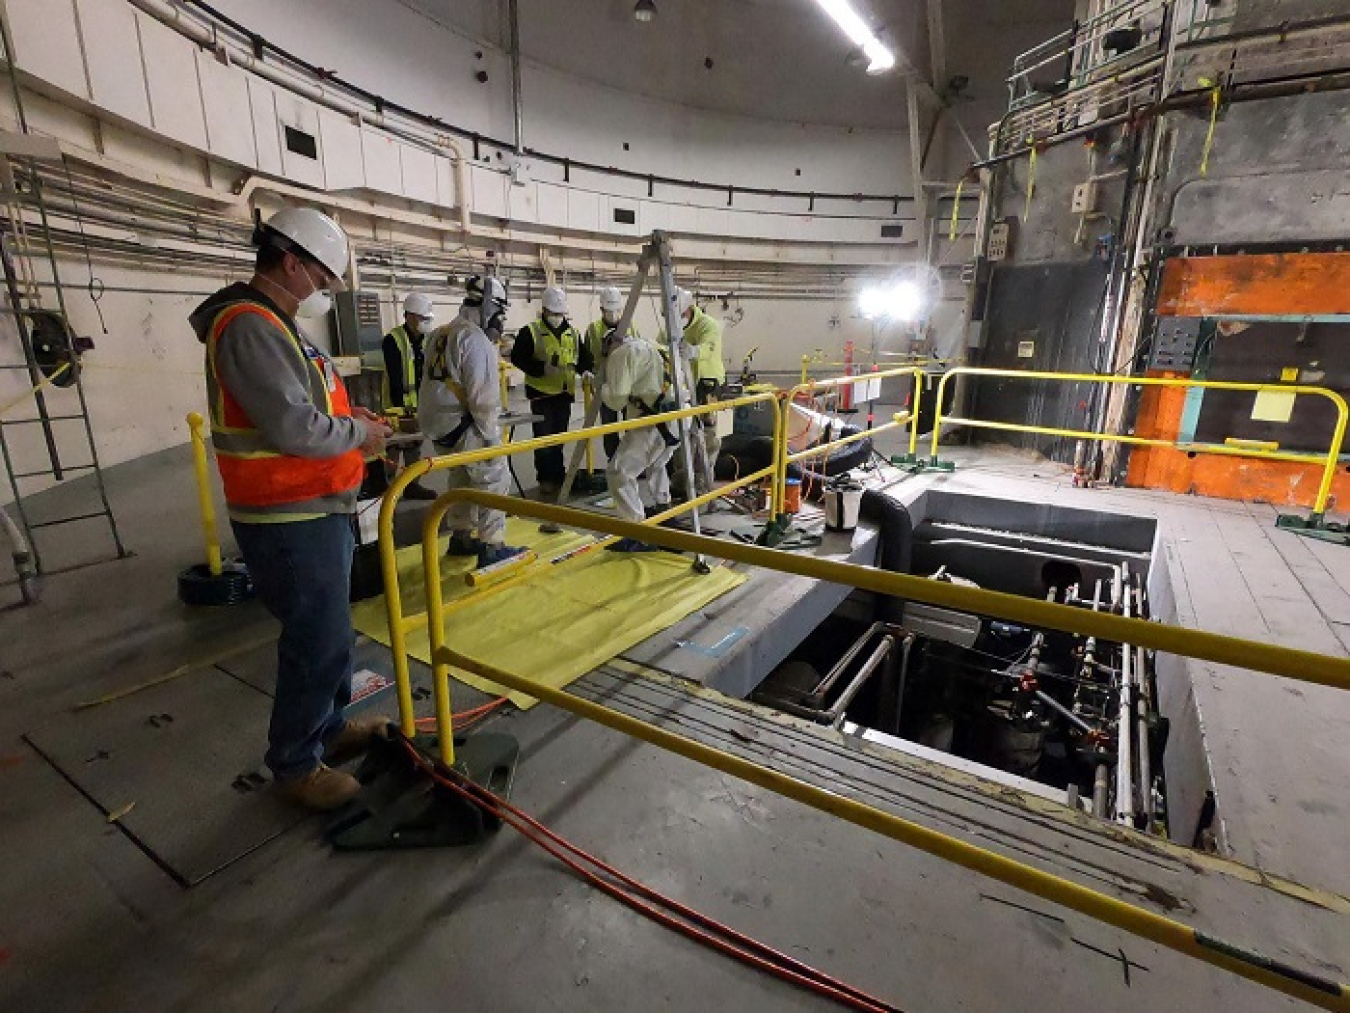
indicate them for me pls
(400, 625)
(506, 395)
(806, 374)
(208, 506)
(1137, 921)
(1329, 460)
(1303, 666)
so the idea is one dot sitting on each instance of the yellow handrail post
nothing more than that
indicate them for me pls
(393, 600)
(1333, 458)
(440, 671)
(502, 367)
(919, 377)
(937, 415)
(210, 536)
(806, 374)
(587, 396)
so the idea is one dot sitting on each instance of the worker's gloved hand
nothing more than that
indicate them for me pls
(553, 371)
(376, 432)
(689, 352)
(588, 377)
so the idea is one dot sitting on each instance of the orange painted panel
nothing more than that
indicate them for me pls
(1282, 483)
(1265, 284)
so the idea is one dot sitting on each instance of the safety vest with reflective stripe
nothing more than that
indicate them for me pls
(546, 346)
(408, 357)
(253, 472)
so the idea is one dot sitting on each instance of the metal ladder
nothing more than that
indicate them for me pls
(48, 353)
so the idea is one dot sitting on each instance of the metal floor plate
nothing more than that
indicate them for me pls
(180, 763)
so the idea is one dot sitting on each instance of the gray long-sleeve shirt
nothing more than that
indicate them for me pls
(258, 365)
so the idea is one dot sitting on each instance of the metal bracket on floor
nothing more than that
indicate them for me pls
(401, 807)
(937, 464)
(1315, 526)
(911, 463)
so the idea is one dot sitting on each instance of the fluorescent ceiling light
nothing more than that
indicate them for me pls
(644, 10)
(879, 58)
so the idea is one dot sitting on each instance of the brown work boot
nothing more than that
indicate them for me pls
(322, 789)
(355, 739)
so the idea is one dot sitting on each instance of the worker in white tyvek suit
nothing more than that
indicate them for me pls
(458, 407)
(637, 384)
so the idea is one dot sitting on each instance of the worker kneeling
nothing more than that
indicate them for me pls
(459, 406)
(637, 379)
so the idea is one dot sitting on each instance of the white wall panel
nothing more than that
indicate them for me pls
(229, 133)
(299, 114)
(551, 207)
(266, 128)
(343, 165)
(113, 58)
(171, 72)
(583, 210)
(47, 42)
(489, 192)
(380, 153)
(419, 174)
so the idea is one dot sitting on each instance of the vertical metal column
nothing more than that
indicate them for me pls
(675, 331)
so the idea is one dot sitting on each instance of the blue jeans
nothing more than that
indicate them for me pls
(301, 572)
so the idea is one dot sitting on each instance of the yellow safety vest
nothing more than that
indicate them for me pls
(707, 335)
(410, 378)
(595, 338)
(565, 346)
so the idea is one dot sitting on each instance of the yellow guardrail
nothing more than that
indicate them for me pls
(1138, 921)
(784, 456)
(1328, 460)
(400, 625)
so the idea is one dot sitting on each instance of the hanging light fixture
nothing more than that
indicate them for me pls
(644, 10)
(879, 58)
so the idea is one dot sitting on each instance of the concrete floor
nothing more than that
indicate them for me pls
(90, 923)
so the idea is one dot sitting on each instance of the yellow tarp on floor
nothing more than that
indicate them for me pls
(563, 622)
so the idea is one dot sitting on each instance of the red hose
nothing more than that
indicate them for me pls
(704, 929)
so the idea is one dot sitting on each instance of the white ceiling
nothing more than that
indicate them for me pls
(771, 59)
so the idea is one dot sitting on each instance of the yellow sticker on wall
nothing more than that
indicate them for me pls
(1273, 406)
(1289, 374)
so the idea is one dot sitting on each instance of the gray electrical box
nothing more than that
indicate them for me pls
(1174, 344)
(359, 330)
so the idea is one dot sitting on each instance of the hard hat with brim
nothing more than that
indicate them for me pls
(310, 235)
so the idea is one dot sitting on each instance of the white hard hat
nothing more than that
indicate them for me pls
(611, 299)
(419, 305)
(555, 300)
(684, 299)
(313, 233)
